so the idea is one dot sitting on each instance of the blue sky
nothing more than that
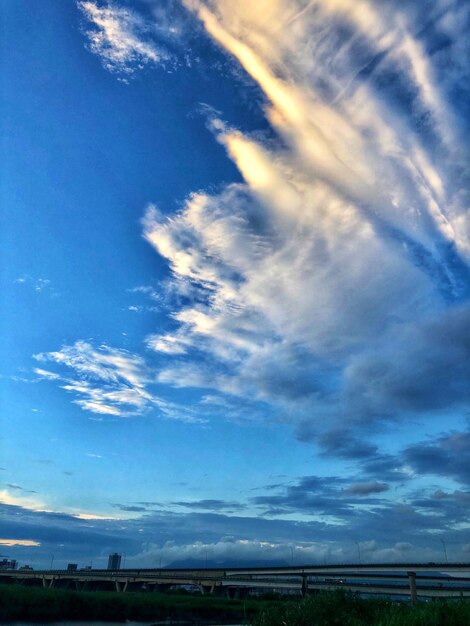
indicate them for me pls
(236, 280)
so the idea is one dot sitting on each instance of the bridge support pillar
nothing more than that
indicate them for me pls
(413, 592)
(235, 593)
(219, 591)
(240, 593)
(304, 588)
(121, 586)
(48, 583)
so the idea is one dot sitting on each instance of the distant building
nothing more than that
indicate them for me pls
(8, 564)
(114, 561)
(72, 567)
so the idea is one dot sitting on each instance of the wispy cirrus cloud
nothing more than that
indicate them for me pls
(42, 373)
(122, 38)
(334, 282)
(108, 381)
(327, 285)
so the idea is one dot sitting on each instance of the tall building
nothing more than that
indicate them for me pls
(8, 564)
(114, 561)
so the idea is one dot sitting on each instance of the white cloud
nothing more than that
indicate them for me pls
(146, 290)
(122, 39)
(168, 344)
(105, 363)
(349, 235)
(37, 284)
(108, 381)
(91, 516)
(319, 104)
(345, 235)
(20, 499)
(45, 374)
(280, 551)
(27, 543)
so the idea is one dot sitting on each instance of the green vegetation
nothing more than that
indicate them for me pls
(39, 605)
(325, 609)
(340, 608)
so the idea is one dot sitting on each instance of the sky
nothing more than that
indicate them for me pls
(235, 277)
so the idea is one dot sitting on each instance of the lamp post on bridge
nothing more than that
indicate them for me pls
(358, 551)
(445, 549)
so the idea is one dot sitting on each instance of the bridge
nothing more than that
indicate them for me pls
(409, 580)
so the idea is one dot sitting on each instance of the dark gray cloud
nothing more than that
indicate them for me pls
(385, 531)
(365, 489)
(210, 505)
(448, 455)
(19, 488)
(371, 463)
(331, 495)
(425, 368)
(445, 456)
(387, 467)
(449, 506)
(340, 443)
(77, 536)
(129, 508)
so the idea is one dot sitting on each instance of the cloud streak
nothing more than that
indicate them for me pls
(123, 39)
(108, 381)
(334, 282)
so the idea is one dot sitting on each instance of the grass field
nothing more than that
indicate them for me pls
(325, 609)
(343, 609)
(42, 605)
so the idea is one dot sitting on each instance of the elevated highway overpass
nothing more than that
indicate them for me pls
(412, 580)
